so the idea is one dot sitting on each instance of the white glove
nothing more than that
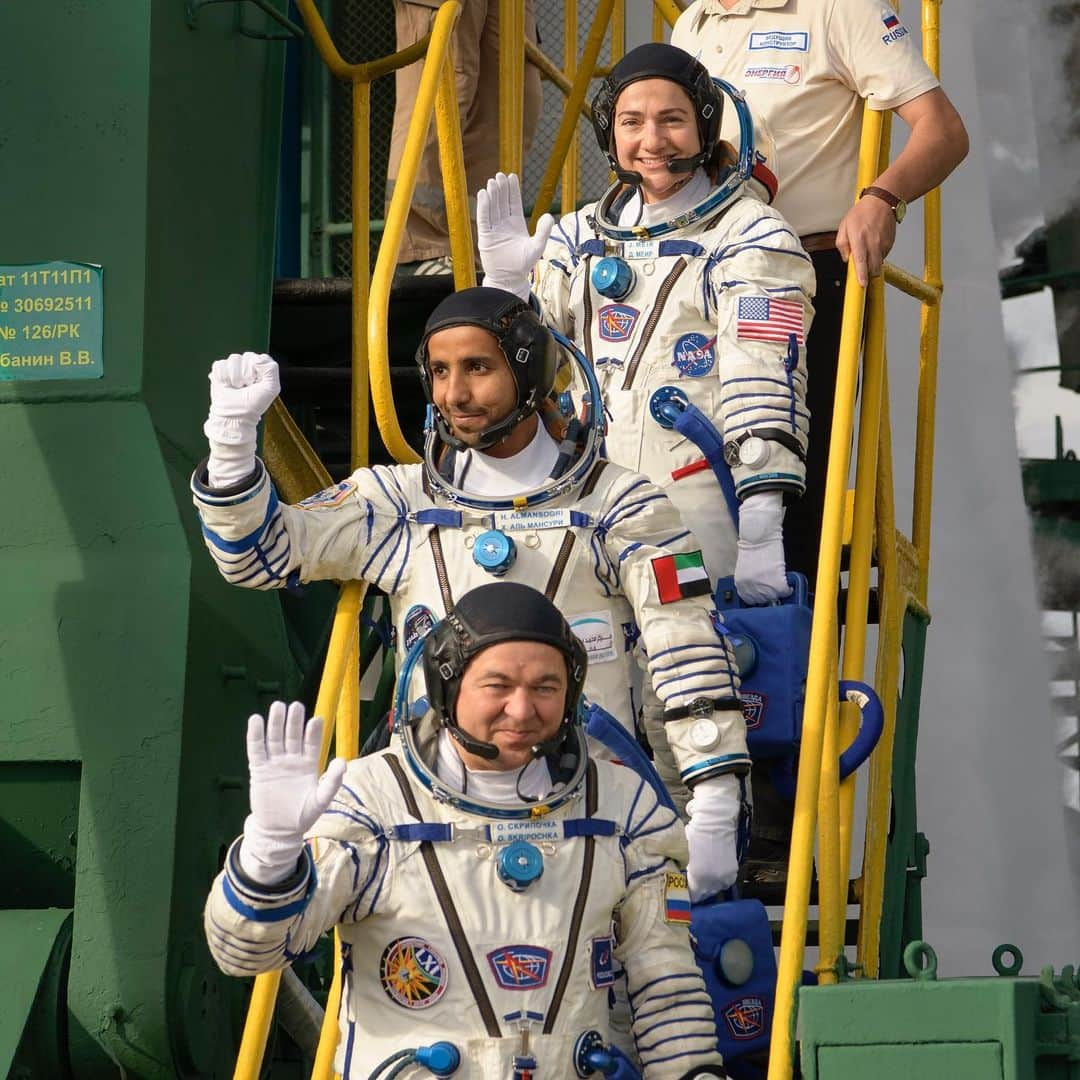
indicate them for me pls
(712, 833)
(242, 387)
(287, 794)
(760, 573)
(507, 251)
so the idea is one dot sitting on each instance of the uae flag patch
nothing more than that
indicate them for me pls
(679, 576)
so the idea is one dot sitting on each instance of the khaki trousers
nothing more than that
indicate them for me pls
(476, 72)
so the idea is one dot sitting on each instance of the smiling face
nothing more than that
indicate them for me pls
(654, 124)
(473, 389)
(512, 694)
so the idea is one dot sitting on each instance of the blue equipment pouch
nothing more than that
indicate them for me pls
(733, 947)
(772, 651)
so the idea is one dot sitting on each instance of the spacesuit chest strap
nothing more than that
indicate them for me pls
(446, 905)
(438, 558)
(578, 913)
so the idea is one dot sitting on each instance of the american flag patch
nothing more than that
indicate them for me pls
(764, 318)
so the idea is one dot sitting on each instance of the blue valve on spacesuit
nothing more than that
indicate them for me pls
(519, 864)
(440, 1058)
(613, 278)
(592, 1056)
(494, 552)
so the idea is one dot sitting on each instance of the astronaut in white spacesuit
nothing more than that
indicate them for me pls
(499, 496)
(482, 871)
(680, 284)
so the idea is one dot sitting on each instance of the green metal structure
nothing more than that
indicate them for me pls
(1005, 1028)
(141, 137)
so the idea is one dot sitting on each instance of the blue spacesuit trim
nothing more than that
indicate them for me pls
(592, 247)
(588, 827)
(245, 543)
(680, 247)
(206, 494)
(392, 532)
(710, 647)
(707, 670)
(754, 379)
(645, 871)
(780, 229)
(764, 247)
(681, 1001)
(771, 478)
(786, 398)
(625, 512)
(693, 976)
(673, 539)
(783, 288)
(724, 761)
(627, 551)
(448, 519)
(707, 1034)
(698, 690)
(346, 1069)
(683, 648)
(712, 1048)
(270, 915)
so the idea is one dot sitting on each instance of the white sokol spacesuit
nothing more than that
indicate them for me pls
(706, 292)
(603, 543)
(476, 916)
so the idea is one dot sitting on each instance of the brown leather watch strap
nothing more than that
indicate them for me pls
(894, 201)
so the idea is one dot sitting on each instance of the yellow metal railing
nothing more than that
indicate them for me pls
(437, 93)
(337, 698)
(824, 807)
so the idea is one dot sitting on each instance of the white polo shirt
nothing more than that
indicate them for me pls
(805, 66)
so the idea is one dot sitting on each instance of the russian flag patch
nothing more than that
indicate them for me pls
(679, 576)
(676, 899)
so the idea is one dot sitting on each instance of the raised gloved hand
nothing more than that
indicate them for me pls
(760, 572)
(507, 251)
(287, 793)
(242, 387)
(712, 833)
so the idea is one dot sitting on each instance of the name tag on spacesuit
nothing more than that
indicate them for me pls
(502, 832)
(531, 520)
(640, 249)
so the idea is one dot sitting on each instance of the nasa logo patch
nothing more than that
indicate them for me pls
(329, 497)
(617, 321)
(745, 1018)
(602, 970)
(520, 967)
(695, 355)
(418, 623)
(753, 708)
(413, 973)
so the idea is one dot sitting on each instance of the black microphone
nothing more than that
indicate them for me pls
(488, 751)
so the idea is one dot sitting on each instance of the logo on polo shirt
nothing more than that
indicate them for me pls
(895, 29)
(792, 41)
(773, 73)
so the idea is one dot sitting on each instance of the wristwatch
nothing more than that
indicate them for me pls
(896, 204)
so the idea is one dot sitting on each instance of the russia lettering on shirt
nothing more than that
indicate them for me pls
(764, 318)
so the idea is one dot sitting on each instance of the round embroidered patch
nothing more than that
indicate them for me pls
(413, 973)
(417, 624)
(694, 355)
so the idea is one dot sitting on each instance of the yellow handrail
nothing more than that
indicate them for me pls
(342, 644)
(433, 83)
(823, 805)
(575, 99)
(511, 83)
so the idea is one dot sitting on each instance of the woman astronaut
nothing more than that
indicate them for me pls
(682, 287)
